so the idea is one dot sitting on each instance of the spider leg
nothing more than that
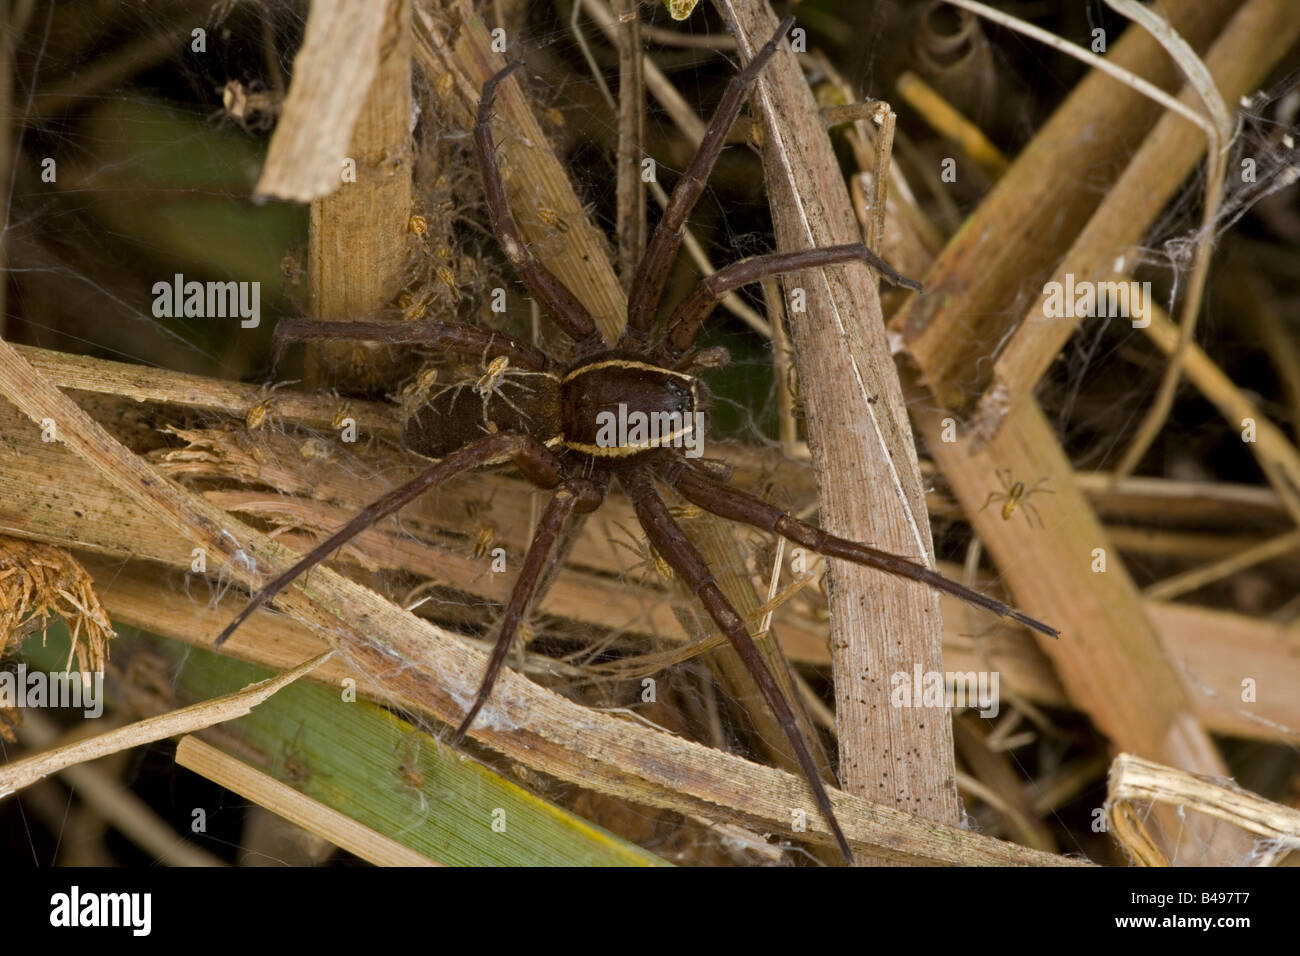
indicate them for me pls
(730, 502)
(675, 548)
(533, 458)
(652, 274)
(562, 305)
(993, 496)
(695, 308)
(501, 394)
(1031, 510)
(460, 339)
(576, 494)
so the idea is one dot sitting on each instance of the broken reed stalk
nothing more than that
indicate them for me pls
(886, 120)
(339, 59)
(17, 774)
(453, 48)
(1240, 58)
(358, 238)
(141, 383)
(1134, 782)
(869, 483)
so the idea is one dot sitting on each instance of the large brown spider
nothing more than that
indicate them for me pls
(554, 423)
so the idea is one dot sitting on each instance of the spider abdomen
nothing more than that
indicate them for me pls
(616, 407)
(513, 400)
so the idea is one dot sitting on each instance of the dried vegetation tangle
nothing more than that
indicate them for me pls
(1196, 554)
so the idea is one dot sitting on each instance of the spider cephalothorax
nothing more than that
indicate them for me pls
(634, 415)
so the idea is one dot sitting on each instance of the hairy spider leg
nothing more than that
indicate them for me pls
(576, 494)
(493, 382)
(530, 456)
(675, 548)
(727, 501)
(563, 306)
(689, 316)
(450, 336)
(652, 274)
